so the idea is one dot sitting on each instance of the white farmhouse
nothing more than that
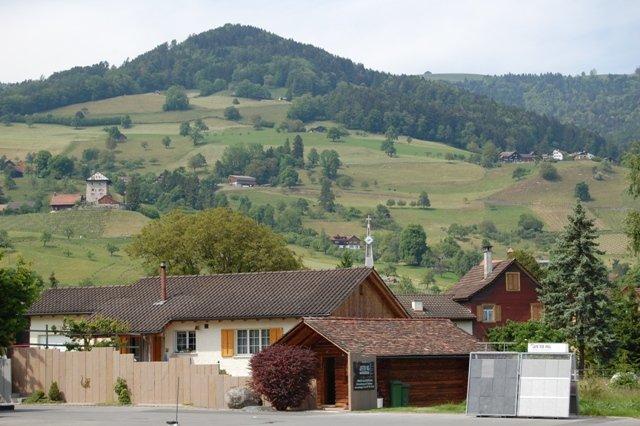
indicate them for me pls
(557, 155)
(97, 187)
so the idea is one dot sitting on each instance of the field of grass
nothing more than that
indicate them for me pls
(598, 399)
(460, 192)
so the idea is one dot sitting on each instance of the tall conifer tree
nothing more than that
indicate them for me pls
(575, 291)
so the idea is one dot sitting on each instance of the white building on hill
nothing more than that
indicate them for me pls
(97, 187)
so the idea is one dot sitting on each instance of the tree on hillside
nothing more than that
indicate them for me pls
(298, 150)
(626, 311)
(346, 260)
(68, 232)
(330, 162)
(549, 172)
(423, 200)
(575, 291)
(335, 134)
(413, 244)
(166, 141)
(196, 136)
(185, 128)
(125, 121)
(313, 158)
(112, 249)
(197, 161)
(232, 113)
(529, 262)
(391, 134)
(389, 147)
(327, 197)
(20, 287)
(175, 99)
(288, 177)
(200, 125)
(581, 191)
(214, 241)
(529, 225)
(519, 173)
(45, 237)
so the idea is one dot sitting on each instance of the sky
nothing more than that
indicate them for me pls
(38, 37)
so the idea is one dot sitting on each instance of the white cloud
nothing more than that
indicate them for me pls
(495, 37)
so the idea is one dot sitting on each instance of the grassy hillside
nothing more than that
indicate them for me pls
(460, 192)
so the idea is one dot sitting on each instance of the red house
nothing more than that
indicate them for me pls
(497, 291)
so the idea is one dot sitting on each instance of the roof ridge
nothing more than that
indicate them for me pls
(73, 287)
(258, 272)
(373, 319)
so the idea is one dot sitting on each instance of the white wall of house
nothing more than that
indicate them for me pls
(209, 341)
(95, 191)
(464, 325)
(39, 323)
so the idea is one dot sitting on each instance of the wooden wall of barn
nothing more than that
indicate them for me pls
(432, 381)
(324, 349)
(367, 302)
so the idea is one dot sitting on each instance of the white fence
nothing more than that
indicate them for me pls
(5, 380)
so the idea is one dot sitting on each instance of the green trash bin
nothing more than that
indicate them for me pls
(396, 393)
(405, 394)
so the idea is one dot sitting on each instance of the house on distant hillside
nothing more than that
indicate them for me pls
(497, 291)
(65, 201)
(350, 242)
(216, 319)
(438, 306)
(528, 157)
(242, 181)
(14, 169)
(509, 157)
(557, 155)
(582, 156)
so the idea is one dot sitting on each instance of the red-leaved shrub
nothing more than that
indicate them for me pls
(282, 374)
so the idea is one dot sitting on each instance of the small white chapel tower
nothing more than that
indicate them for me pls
(368, 253)
(97, 187)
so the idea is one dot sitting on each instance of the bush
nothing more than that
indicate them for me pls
(54, 393)
(282, 374)
(624, 380)
(391, 203)
(232, 113)
(36, 397)
(549, 172)
(122, 391)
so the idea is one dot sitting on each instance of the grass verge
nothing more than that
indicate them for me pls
(442, 408)
(597, 398)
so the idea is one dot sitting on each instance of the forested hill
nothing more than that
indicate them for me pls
(607, 104)
(250, 62)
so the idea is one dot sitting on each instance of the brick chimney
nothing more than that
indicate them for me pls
(488, 261)
(163, 281)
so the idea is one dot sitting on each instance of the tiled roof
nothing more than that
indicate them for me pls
(435, 306)
(65, 199)
(98, 177)
(290, 294)
(474, 280)
(392, 337)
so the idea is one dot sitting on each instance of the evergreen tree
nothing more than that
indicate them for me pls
(575, 290)
(313, 158)
(327, 196)
(346, 260)
(298, 148)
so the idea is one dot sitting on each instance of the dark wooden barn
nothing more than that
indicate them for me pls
(429, 356)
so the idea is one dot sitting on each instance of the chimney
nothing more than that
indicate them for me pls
(417, 306)
(163, 281)
(488, 261)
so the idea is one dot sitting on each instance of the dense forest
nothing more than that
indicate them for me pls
(606, 104)
(252, 60)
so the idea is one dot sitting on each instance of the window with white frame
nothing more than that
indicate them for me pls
(488, 313)
(249, 342)
(185, 341)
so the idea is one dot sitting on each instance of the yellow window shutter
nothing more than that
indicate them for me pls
(228, 343)
(274, 335)
(497, 313)
(479, 313)
(124, 345)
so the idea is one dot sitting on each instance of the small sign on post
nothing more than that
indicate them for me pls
(364, 375)
(548, 348)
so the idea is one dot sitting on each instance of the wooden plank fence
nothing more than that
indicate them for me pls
(5, 380)
(89, 377)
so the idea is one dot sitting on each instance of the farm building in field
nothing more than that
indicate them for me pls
(438, 306)
(350, 242)
(509, 157)
(217, 319)
(361, 359)
(497, 291)
(582, 156)
(242, 181)
(528, 157)
(557, 155)
(65, 201)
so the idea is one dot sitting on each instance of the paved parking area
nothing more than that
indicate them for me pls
(121, 416)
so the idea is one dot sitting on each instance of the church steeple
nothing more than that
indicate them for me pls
(368, 254)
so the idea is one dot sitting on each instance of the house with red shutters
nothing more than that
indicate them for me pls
(497, 291)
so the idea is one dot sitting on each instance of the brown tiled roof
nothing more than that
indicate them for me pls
(435, 306)
(65, 199)
(107, 199)
(474, 280)
(392, 337)
(290, 294)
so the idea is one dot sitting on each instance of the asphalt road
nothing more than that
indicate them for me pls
(121, 416)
